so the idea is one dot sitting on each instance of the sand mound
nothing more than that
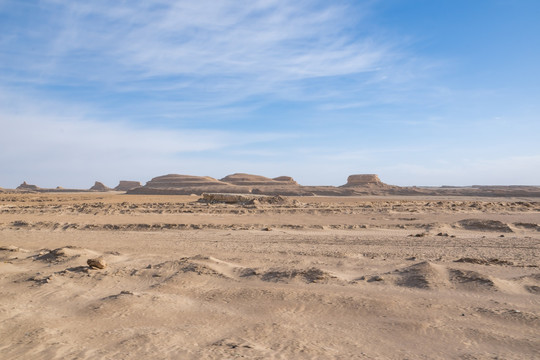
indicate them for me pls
(311, 275)
(126, 185)
(484, 225)
(471, 280)
(530, 282)
(209, 266)
(100, 187)
(173, 271)
(427, 275)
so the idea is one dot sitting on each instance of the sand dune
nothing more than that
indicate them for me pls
(308, 278)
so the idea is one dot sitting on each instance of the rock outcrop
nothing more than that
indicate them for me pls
(286, 180)
(174, 184)
(25, 186)
(363, 180)
(242, 179)
(257, 184)
(357, 185)
(370, 184)
(126, 185)
(99, 187)
(97, 263)
(177, 181)
(240, 183)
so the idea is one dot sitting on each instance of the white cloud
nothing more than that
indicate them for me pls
(222, 51)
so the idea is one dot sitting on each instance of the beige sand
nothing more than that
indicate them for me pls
(314, 278)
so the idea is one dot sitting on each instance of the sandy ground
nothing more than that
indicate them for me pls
(315, 278)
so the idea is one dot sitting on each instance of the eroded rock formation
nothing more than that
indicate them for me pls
(25, 186)
(363, 180)
(126, 185)
(175, 184)
(357, 185)
(242, 179)
(285, 180)
(176, 181)
(99, 187)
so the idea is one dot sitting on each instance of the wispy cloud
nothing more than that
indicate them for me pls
(217, 52)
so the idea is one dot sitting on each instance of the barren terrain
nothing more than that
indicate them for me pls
(384, 277)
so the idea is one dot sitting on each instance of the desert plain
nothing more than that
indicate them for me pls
(318, 277)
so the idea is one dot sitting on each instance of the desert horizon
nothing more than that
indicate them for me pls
(124, 185)
(357, 184)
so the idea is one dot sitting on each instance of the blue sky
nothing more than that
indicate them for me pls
(421, 92)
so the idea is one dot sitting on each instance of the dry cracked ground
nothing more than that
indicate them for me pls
(312, 278)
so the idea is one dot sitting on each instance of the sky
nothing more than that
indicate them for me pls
(420, 92)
